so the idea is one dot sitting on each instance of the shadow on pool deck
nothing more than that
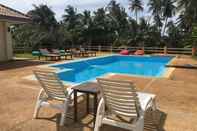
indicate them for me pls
(14, 64)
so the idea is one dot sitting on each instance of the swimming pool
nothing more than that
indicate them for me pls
(88, 69)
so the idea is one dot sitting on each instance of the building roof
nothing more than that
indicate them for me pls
(9, 14)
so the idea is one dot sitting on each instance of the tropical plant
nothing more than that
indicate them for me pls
(136, 6)
(168, 10)
(155, 7)
(41, 32)
(87, 26)
(111, 26)
(43, 17)
(118, 18)
(174, 35)
(72, 23)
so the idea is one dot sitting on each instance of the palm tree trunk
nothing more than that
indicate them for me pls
(136, 17)
(164, 29)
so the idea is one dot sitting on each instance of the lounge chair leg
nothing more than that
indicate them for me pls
(97, 126)
(140, 124)
(38, 104)
(63, 114)
(37, 109)
(99, 115)
(153, 112)
(154, 106)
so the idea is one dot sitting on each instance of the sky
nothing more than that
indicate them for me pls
(58, 6)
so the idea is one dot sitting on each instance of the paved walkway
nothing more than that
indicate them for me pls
(176, 98)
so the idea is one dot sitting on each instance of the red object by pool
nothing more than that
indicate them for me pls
(124, 52)
(139, 52)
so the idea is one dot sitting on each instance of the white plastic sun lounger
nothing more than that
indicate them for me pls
(120, 100)
(52, 89)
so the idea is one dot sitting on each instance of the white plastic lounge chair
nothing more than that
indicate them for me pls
(52, 89)
(121, 106)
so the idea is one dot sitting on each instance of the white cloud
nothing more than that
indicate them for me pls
(58, 6)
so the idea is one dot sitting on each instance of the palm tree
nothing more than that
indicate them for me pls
(136, 6)
(71, 17)
(87, 24)
(174, 35)
(43, 27)
(118, 18)
(168, 11)
(155, 8)
(43, 16)
(188, 12)
(184, 5)
(114, 10)
(72, 23)
(134, 29)
(184, 22)
(86, 18)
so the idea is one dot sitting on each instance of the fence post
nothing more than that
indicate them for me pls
(143, 49)
(89, 47)
(193, 51)
(99, 48)
(111, 49)
(165, 50)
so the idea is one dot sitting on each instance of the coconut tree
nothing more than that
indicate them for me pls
(188, 13)
(155, 7)
(136, 6)
(87, 26)
(174, 35)
(86, 18)
(72, 23)
(43, 16)
(118, 18)
(71, 17)
(43, 26)
(168, 10)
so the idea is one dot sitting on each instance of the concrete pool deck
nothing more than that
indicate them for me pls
(176, 98)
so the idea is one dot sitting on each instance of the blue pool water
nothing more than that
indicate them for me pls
(89, 69)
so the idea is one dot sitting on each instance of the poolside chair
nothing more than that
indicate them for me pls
(121, 105)
(47, 54)
(76, 53)
(62, 53)
(52, 89)
(87, 52)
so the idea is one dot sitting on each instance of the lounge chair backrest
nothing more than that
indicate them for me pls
(44, 51)
(56, 51)
(51, 84)
(120, 97)
(82, 49)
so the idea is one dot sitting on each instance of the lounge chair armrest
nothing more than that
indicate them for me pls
(101, 107)
(150, 102)
(70, 94)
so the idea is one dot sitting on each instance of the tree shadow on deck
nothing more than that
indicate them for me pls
(14, 64)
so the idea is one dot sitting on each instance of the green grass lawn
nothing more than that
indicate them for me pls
(195, 57)
(25, 55)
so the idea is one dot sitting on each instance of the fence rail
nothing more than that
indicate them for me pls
(112, 49)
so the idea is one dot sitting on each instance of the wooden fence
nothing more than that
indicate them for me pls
(112, 49)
